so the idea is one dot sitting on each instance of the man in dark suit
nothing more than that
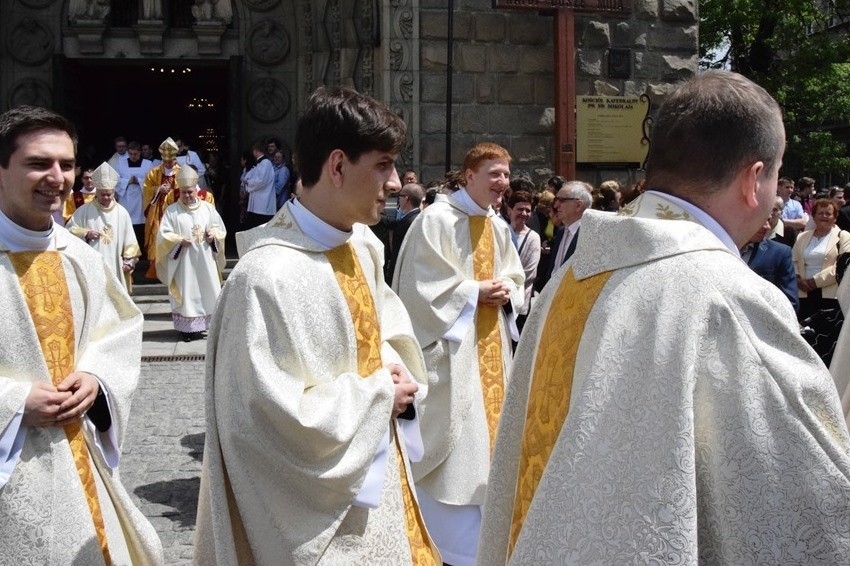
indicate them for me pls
(409, 206)
(573, 198)
(772, 261)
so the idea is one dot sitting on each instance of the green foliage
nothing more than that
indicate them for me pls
(789, 47)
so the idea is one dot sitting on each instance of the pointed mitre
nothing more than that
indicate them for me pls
(186, 177)
(105, 177)
(168, 149)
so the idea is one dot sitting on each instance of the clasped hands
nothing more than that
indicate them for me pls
(493, 292)
(49, 405)
(806, 285)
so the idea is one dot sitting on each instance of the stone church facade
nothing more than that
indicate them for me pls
(278, 51)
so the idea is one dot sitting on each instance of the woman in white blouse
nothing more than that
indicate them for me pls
(815, 254)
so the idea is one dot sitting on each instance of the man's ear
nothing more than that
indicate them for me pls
(749, 181)
(335, 167)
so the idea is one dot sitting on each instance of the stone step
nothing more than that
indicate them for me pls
(147, 288)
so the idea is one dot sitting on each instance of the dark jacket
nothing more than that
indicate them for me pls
(772, 261)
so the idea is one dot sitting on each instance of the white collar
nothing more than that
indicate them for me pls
(702, 217)
(573, 228)
(315, 228)
(464, 201)
(18, 239)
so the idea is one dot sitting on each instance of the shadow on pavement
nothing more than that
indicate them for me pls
(195, 444)
(181, 494)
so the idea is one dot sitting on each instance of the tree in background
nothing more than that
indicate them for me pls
(799, 50)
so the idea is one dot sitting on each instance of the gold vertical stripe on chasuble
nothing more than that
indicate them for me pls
(364, 316)
(490, 361)
(551, 385)
(45, 290)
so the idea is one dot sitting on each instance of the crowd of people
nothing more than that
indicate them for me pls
(567, 375)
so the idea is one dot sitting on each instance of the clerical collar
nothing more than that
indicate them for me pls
(193, 206)
(86, 191)
(18, 239)
(315, 228)
(464, 202)
(703, 218)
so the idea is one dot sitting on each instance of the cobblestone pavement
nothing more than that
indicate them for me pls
(163, 449)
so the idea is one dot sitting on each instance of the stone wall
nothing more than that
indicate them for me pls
(503, 89)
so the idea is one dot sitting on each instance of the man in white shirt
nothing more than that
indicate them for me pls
(128, 192)
(259, 183)
(185, 156)
(793, 214)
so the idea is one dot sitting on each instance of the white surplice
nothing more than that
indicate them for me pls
(130, 194)
(701, 426)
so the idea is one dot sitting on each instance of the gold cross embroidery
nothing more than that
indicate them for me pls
(198, 233)
(107, 234)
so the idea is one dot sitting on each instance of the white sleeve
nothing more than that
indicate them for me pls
(107, 441)
(467, 314)
(370, 492)
(11, 443)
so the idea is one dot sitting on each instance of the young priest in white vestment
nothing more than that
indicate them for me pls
(69, 364)
(312, 368)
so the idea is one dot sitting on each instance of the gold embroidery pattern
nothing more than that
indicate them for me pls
(490, 362)
(349, 276)
(665, 212)
(107, 234)
(42, 280)
(551, 385)
(197, 234)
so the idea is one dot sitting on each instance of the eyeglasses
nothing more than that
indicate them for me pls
(86, 177)
(562, 199)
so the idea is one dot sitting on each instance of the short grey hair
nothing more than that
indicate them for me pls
(579, 190)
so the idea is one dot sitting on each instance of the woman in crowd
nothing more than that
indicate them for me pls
(528, 244)
(815, 254)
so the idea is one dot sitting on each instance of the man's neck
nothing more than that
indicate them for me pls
(322, 205)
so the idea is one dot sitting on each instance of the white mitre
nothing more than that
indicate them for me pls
(105, 177)
(186, 177)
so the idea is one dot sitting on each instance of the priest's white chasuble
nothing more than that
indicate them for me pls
(62, 501)
(662, 408)
(298, 408)
(117, 240)
(192, 272)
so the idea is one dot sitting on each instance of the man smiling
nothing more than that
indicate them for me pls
(459, 275)
(69, 363)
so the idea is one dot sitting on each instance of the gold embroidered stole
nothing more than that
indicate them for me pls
(490, 362)
(551, 386)
(45, 290)
(349, 276)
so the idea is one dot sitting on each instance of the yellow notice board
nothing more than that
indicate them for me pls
(612, 129)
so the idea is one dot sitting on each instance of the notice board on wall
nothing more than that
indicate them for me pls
(612, 130)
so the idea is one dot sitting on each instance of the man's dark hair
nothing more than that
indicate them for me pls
(556, 182)
(134, 145)
(522, 184)
(260, 146)
(711, 127)
(341, 118)
(26, 119)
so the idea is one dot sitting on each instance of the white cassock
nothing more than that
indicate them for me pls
(192, 273)
(117, 242)
(434, 277)
(297, 468)
(664, 409)
(130, 194)
(44, 514)
(118, 160)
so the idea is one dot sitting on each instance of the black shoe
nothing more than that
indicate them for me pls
(186, 336)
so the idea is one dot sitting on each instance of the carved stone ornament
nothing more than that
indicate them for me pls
(268, 100)
(30, 42)
(268, 42)
(37, 4)
(30, 91)
(262, 5)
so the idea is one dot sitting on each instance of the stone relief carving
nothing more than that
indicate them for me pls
(212, 11)
(401, 83)
(30, 91)
(30, 42)
(268, 99)
(91, 10)
(262, 5)
(151, 10)
(268, 42)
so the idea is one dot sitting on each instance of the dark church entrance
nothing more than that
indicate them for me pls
(146, 101)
